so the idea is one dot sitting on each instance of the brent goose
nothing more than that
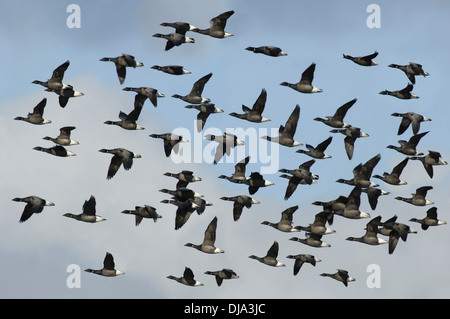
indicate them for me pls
(269, 50)
(286, 133)
(334, 205)
(205, 110)
(318, 151)
(36, 116)
(255, 113)
(128, 121)
(185, 208)
(120, 156)
(187, 278)
(418, 198)
(184, 178)
(411, 70)
(294, 181)
(122, 62)
(312, 239)
(217, 26)
(65, 94)
(220, 275)
(171, 142)
(305, 83)
(181, 193)
(239, 171)
(395, 231)
(174, 39)
(144, 93)
(409, 147)
(300, 259)
(431, 159)
(341, 275)
(362, 174)
(255, 182)
(270, 258)
(226, 142)
(179, 26)
(64, 137)
(370, 237)
(172, 69)
(207, 246)
(337, 120)
(373, 194)
(302, 175)
(285, 223)
(403, 94)
(142, 212)
(201, 204)
(240, 201)
(351, 209)
(108, 269)
(195, 95)
(430, 220)
(89, 212)
(56, 150)
(351, 134)
(55, 82)
(319, 225)
(393, 178)
(35, 205)
(363, 60)
(410, 118)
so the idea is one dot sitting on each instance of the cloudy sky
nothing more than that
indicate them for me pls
(36, 254)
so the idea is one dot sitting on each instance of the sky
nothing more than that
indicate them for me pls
(37, 255)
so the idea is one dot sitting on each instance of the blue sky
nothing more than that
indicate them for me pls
(36, 40)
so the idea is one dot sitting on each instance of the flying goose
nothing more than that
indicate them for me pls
(142, 212)
(181, 193)
(255, 182)
(418, 198)
(184, 178)
(240, 201)
(319, 225)
(122, 62)
(362, 174)
(285, 223)
(318, 151)
(409, 147)
(270, 258)
(56, 150)
(195, 95)
(120, 156)
(373, 194)
(269, 50)
(294, 181)
(89, 212)
(128, 121)
(187, 278)
(226, 142)
(171, 142)
(207, 246)
(341, 275)
(302, 175)
(430, 220)
(55, 82)
(255, 113)
(410, 118)
(305, 83)
(65, 94)
(393, 178)
(431, 159)
(239, 171)
(217, 26)
(144, 93)
(35, 205)
(300, 259)
(351, 209)
(223, 274)
(351, 134)
(337, 120)
(370, 237)
(312, 240)
(363, 60)
(174, 39)
(395, 231)
(403, 94)
(36, 116)
(205, 110)
(185, 208)
(334, 205)
(179, 26)
(286, 133)
(411, 70)
(64, 137)
(108, 269)
(172, 69)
